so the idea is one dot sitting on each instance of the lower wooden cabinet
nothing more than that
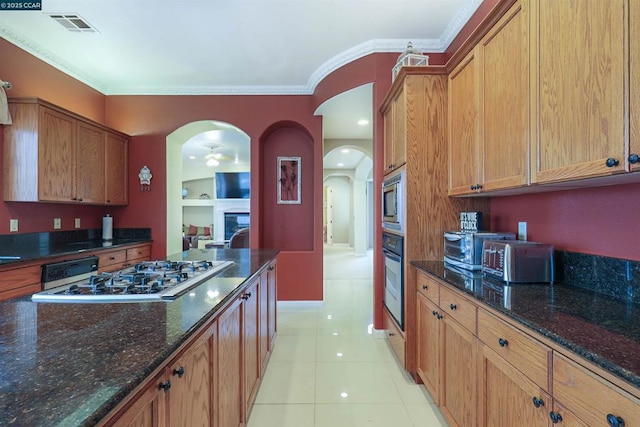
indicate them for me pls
(505, 376)
(148, 409)
(458, 373)
(229, 367)
(251, 344)
(395, 336)
(191, 394)
(428, 346)
(507, 397)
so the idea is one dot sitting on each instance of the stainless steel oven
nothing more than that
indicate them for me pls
(392, 250)
(393, 202)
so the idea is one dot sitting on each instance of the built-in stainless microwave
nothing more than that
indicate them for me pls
(393, 202)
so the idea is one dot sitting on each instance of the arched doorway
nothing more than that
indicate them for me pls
(215, 147)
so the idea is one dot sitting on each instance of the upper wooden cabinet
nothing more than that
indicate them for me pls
(464, 126)
(395, 130)
(52, 155)
(489, 109)
(579, 83)
(634, 84)
(115, 171)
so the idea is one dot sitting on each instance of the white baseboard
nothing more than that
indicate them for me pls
(380, 333)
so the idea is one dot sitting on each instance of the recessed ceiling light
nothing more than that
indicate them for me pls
(363, 122)
(192, 157)
(344, 150)
(340, 165)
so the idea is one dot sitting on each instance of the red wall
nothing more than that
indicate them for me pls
(598, 221)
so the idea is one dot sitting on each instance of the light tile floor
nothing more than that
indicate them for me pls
(328, 370)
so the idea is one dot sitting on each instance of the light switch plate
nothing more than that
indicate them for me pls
(57, 223)
(13, 225)
(77, 223)
(522, 231)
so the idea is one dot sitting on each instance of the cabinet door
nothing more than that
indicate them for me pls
(634, 83)
(428, 345)
(273, 301)
(507, 397)
(252, 360)
(263, 322)
(89, 163)
(388, 138)
(57, 157)
(190, 396)
(229, 356)
(116, 165)
(459, 373)
(504, 54)
(400, 128)
(148, 409)
(464, 126)
(580, 89)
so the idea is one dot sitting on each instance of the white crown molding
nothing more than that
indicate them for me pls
(328, 67)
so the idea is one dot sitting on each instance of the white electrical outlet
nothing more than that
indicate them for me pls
(77, 222)
(57, 223)
(522, 231)
(13, 225)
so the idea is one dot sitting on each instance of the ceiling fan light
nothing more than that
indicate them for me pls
(212, 162)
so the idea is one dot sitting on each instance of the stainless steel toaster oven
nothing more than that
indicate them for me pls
(464, 249)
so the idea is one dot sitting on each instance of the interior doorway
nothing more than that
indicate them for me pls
(199, 156)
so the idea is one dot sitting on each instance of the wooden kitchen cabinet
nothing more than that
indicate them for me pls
(395, 134)
(53, 155)
(117, 259)
(191, 394)
(489, 109)
(579, 85)
(507, 397)
(589, 398)
(251, 344)
(15, 282)
(229, 366)
(464, 126)
(428, 346)
(272, 318)
(267, 321)
(148, 408)
(634, 85)
(504, 113)
(116, 155)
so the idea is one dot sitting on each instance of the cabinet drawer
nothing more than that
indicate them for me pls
(428, 287)
(110, 258)
(138, 252)
(396, 339)
(589, 396)
(458, 308)
(530, 356)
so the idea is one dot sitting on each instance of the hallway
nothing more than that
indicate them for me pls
(328, 370)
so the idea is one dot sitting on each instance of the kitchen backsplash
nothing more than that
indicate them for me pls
(615, 277)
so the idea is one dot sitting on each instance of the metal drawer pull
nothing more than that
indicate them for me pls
(537, 402)
(179, 372)
(425, 287)
(555, 417)
(453, 306)
(165, 386)
(503, 342)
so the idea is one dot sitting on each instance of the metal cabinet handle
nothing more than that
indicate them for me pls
(615, 421)
(165, 386)
(634, 158)
(555, 417)
(611, 162)
(503, 342)
(453, 306)
(425, 287)
(179, 372)
(537, 402)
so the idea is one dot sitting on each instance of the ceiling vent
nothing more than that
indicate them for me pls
(74, 23)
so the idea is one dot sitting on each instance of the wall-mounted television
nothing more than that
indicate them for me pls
(233, 185)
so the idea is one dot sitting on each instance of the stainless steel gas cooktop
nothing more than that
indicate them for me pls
(79, 281)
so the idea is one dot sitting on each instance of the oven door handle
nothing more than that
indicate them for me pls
(391, 255)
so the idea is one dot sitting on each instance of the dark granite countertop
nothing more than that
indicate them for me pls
(69, 364)
(22, 248)
(601, 329)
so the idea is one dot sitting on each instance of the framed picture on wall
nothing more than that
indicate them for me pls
(289, 180)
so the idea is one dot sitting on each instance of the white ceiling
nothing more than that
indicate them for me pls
(234, 47)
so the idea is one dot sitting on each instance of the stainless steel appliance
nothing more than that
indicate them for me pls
(79, 281)
(392, 250)
(464, 249)
(393, 202)
(518, 261)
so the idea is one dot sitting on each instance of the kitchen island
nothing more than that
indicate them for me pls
(71, 364)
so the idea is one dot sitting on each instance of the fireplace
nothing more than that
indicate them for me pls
(234, 221)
